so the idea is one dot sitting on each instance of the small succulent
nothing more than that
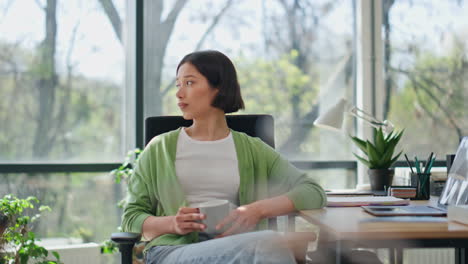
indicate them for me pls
(380, 153)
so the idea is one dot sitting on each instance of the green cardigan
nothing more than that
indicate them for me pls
(154, 188)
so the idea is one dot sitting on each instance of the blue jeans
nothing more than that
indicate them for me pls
(254, 247)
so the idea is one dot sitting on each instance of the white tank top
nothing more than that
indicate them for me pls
(207, 170)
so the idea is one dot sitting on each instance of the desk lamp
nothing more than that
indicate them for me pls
(333, 118)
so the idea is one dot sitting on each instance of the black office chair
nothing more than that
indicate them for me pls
(261, 126)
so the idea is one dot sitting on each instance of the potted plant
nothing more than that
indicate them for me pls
(17, 241)
(380, 157)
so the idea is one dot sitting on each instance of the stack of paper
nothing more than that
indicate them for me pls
(365, 200)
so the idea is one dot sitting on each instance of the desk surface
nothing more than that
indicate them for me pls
(345, 223)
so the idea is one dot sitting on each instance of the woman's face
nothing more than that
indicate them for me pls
(194, 94)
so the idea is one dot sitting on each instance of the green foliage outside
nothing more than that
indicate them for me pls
(18, 242)
(431, 103)
(86, 112)
(275, 86)
(270, 86)
(380, 152)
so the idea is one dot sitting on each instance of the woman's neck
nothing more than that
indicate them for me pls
(209, 128)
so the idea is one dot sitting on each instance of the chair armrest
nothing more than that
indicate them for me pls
(125, 237)
(126, 241)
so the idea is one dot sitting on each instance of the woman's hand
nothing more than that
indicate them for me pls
(242, 219)
(185, 221)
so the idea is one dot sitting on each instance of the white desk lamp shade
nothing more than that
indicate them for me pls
(333, 118)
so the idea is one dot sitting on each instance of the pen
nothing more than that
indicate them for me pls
(418, 170)
(409, 163)
(431, 163)
(429, 159)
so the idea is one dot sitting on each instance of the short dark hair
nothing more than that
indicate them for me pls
(221, 74)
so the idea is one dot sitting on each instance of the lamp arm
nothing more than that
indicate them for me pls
(366, 117)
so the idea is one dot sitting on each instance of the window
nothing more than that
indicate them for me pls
(62, 85)
(294, 60)
(287, 69)
(426, 73)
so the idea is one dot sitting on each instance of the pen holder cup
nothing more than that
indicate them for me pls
(422, 183)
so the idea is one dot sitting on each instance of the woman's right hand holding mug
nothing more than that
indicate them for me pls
(187, 220)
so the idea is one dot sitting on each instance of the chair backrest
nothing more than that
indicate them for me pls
(261, 126)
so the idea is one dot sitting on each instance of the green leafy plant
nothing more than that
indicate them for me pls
(17, 241)
(123, 172)
(380, 153)
(109, 247)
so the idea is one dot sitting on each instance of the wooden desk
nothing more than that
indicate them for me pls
(341, 229)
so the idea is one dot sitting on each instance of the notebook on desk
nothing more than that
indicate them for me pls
(455, 191)
(410, 210)
(364, 200)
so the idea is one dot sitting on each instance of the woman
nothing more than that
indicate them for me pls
(209, 161)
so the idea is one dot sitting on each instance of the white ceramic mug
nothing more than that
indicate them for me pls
(215, 211)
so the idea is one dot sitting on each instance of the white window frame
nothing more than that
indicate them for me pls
(370, 92)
